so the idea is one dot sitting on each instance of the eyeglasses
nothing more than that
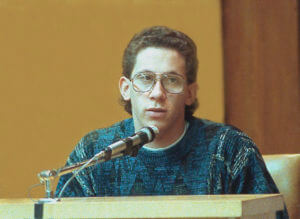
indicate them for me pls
(145, 81)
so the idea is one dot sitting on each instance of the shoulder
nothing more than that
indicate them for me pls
(98, 139)
(233, 148)
(226, 141)
(209, 129)
(108, 134)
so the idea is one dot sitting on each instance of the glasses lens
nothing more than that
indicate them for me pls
(173, 83)
(143, 82)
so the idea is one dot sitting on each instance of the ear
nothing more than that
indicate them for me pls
(191, 93)
(124, 85)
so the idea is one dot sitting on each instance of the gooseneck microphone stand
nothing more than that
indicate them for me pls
(47, 176)
(128, 146)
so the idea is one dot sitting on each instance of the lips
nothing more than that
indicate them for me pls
(156, 112)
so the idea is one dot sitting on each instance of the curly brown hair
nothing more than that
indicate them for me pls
(162, 37)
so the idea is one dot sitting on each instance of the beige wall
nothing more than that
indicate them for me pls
(60, 62)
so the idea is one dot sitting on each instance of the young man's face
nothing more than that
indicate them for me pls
(157, 106)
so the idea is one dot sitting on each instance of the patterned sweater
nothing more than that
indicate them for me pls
(211, 158)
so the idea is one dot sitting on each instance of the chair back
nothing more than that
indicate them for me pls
(285, 170)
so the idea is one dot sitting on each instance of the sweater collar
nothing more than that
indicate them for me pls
(175, 153)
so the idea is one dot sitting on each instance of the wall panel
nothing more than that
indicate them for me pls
(262, 77)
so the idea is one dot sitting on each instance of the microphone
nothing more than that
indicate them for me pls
(130, 145)
(126, 146)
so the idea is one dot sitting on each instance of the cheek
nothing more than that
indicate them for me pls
(137, 101)
(178, 101)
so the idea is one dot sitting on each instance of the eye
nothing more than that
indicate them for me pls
(145, 77)
(173, 79)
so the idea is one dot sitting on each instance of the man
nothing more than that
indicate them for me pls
(189, 155)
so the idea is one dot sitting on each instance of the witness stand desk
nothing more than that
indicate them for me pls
(197, 206)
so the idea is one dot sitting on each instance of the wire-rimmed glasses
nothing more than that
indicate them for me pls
(145, 81)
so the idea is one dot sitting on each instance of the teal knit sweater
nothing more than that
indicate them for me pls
(211, 158)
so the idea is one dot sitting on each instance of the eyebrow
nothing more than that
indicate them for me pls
(168, 72)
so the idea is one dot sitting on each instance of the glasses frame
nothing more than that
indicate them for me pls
(158, 77)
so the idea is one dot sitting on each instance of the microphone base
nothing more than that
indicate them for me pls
(47, 200)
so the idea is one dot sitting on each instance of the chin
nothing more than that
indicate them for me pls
(161, 125)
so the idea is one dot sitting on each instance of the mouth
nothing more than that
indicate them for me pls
(156, 113)
(156, 110)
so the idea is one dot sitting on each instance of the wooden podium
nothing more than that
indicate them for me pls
(197, 206)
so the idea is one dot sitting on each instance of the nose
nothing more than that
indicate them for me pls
(158, 91)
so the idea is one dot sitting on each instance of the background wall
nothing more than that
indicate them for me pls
(60, 62)
(262, 74)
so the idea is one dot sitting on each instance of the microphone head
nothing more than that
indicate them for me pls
(155, 129)
(151, 132)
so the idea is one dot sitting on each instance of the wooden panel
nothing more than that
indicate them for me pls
(206, 206)
(261, 64)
